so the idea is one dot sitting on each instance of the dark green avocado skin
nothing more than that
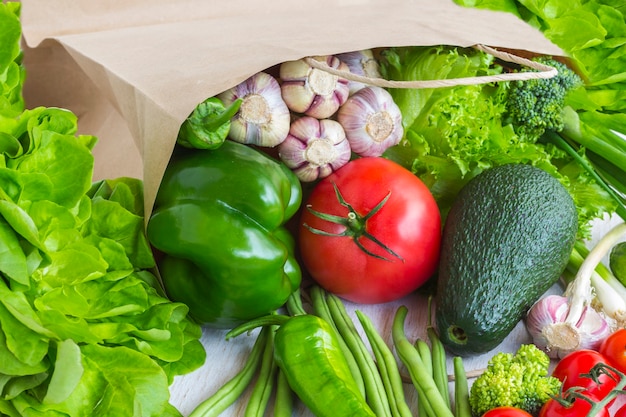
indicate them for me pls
(505, 242)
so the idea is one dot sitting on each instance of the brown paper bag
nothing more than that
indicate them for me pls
(133, 71)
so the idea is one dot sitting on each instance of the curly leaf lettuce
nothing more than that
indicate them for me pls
(592, 33)
(452, 134)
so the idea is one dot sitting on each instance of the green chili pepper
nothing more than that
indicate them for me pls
(208, 125)
(219, 223)
(308, 352)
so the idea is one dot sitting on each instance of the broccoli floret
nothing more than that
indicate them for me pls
(536, 105)
(516, 380)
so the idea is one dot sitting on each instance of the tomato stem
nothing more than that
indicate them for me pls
(355, 225)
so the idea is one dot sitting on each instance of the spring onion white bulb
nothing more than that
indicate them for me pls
(372, 121)
(312, 91)
(263, 118)
(314, 148)
(360, 63)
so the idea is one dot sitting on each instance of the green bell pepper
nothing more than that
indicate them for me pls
(218, 224)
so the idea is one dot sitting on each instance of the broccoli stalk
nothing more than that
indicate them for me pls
(519, 380)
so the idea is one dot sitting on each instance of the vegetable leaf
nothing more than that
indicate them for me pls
(85, 328)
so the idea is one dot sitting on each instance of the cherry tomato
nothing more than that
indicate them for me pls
(614, 349)
(570, 368)
(579, 408)
(395, 227)
(506, 412)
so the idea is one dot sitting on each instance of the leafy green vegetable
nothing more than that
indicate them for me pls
(592, 33)
(84, 326)
(452, 134)
(11, 69)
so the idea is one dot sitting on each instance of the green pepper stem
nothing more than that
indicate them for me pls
(269, 320)
(213, 121)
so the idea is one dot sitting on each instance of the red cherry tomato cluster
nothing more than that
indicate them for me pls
(571, 370)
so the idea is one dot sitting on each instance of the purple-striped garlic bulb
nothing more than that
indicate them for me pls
(263, 118)
(360, 63)
(372, 121)
(314, 148)
(312, 91)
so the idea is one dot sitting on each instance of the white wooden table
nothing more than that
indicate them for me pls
(225, 358)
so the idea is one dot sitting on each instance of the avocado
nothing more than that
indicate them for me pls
(505, 242)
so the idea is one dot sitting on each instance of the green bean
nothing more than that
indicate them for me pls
(422, 380)
(424, 351)
(388, 368)
(320, 307)
(461, 389)
(264, 384)
(234, 388)
(440, 370)
(283, 399)
(294, 304)
(375, 392)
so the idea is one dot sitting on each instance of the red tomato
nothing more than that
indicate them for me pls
(579, 408)
(408, 224)
(614, 349)
(506, 412)
(570, 368)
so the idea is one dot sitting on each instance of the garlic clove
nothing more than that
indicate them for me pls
(372, 121)
(263, 118)
(360, 63)
(311, 91)
(314, 148)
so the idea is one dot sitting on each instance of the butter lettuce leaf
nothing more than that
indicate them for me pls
(85, 328)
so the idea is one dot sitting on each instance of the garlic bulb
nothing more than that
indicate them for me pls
(314, 148)
(547, 323)
(311, 91)
(372, 121)
(360, 63)
(263, 118)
